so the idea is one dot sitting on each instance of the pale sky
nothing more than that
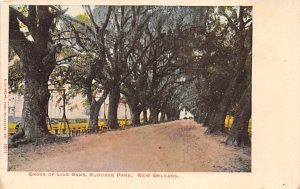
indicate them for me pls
(73, 10)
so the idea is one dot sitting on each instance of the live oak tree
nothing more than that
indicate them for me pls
(170, 57)
(213, 65)
(125, 30)
(30, 38)
(242, 28)
(221, 67)
(164, 59)
(80, 78)
(110, 33)
(86, 73)
(135, 85)
(239, 132)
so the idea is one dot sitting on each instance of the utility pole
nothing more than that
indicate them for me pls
(65, 121)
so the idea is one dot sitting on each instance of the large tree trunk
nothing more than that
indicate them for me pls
(199, 114)
(202, 114)
(33, 123)
(34, 113)
(114, 97)
(135, 117)
(162, 116)
(172, 114)
(145, 116)
(94, 114)
(177, 114)
(209, 118)
(95, 105)
(239, 132)
(38, 62)
(153, 115)
(218, 123)
(135, 109)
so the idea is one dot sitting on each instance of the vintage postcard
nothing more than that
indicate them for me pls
(150, 94)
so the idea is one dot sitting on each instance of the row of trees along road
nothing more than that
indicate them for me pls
(161, 59)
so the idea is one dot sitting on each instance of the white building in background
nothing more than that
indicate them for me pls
(74, 108)
(185, 114)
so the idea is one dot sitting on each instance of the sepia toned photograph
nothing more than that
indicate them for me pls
(94, 88)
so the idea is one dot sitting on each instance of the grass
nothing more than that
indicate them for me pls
(60, 128)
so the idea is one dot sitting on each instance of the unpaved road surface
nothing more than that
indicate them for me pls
(179, 146)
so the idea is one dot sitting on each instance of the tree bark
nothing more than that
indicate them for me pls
(239, 132)
(208, 119)
(153, 115)
(135, 117)
(162, 116)
(218, 123)
(145, 116)
(33, 122)
(170, 116)
(95, 105)
(94, 114)
(202, 114)
(135, 108)
(114, 97)
(199, 114)
(38, 63)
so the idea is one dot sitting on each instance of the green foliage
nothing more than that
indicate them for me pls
(217, 56)
(84, 17)
(191, 58)
(15, 77)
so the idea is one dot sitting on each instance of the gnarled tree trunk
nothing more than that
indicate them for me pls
(162, 116)
(33, 122)
(153, 115)
(145, 116)
(38, 63)
(135, 117)
(218, 123)
(135, 108)
(114, 97)
(209, 118)
(94, 114)
(95, 106)
(239, 132)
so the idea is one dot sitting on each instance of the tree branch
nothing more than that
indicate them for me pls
(107, 18)
(231, 23)
(89, 12)
(17, 40)
(66, 58)
(20, 16)
(249, 20)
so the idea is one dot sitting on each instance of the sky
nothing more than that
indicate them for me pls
(73, 10)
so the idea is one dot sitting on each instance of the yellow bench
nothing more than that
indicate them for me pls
(228, 121)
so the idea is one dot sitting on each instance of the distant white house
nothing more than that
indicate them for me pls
(74, 108)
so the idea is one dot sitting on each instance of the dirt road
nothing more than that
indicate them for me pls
(179, 146)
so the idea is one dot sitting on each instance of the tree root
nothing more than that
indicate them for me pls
(231, 141)
(46, 139)
(18, 135)
(236, 142)
(14, 143)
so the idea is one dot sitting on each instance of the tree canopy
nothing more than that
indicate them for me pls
(164, 59)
